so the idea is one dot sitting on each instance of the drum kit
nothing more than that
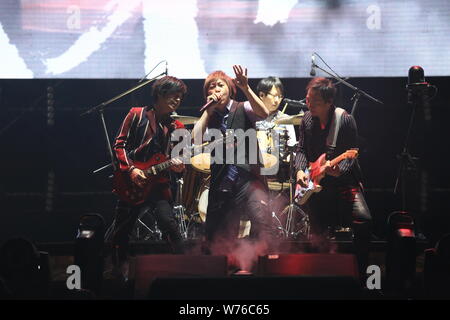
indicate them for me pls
(289, 221)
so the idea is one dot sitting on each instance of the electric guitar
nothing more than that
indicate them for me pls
(130, 192)
(316, 172)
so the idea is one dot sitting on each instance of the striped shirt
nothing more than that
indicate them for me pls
(141, 136)
(312, 143)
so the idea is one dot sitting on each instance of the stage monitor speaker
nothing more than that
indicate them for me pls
(313, 264)
(256, 288)
(150, 267)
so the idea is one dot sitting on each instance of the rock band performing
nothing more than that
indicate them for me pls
(250, 173)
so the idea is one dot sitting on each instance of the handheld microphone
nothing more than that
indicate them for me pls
(312, 73)
(210, 102)
(167, 70)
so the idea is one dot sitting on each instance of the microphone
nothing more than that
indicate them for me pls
(295, 103)
(167, 70)
(210, 102)
(312, 73)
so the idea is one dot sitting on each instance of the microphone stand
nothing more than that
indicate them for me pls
(101, 108)
(358, 92)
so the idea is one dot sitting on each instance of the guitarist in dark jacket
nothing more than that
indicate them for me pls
(340, 203)
(145, 132)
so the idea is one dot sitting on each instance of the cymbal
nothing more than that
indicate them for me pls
(201, 162)
(278, 186)
(186, 120)
(295, 120)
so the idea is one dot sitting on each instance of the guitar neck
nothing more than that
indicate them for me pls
(338, 159)
(160, 167)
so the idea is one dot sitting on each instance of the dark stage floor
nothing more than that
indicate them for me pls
(154, 273)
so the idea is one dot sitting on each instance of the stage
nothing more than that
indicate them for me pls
(153, 260)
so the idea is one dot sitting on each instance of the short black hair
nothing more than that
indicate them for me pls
(168, 85)
(325, 87)
(266, 84)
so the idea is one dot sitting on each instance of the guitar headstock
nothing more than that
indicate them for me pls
(351, 153)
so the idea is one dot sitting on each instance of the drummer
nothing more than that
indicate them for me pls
(271, 91)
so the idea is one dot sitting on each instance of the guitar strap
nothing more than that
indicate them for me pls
(332, 138)
(334, 129)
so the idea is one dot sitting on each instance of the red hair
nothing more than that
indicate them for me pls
(219, 75)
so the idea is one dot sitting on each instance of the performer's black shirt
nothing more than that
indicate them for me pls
(312, 143)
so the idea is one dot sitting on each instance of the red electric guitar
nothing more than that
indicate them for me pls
(129, 192)
(316, 173)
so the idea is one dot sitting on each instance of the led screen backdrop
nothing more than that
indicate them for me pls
(126, 39)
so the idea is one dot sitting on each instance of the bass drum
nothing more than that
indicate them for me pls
(203, 203)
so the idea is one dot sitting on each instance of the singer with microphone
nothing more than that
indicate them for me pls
(235, 187)
(143, 136)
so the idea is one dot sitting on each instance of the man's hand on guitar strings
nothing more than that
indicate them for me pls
(332, 171)
(138, 177)
(302, 178)
(178, 165)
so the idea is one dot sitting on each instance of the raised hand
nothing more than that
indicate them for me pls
(241, 79)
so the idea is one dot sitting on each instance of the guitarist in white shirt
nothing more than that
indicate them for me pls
(340, 203)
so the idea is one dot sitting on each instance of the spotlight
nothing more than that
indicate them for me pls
(437, 269)
(89, 251)
(25, 269)
(401, 253)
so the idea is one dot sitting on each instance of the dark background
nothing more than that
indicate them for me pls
(75, 146)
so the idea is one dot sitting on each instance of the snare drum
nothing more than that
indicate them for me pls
(202, 162)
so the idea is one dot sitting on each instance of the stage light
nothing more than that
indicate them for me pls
(24, 269)
(401, 253)
(89, 251)
(437, 269)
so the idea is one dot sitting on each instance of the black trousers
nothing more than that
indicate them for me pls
(126, 216)
(343, 206)
(248, 195)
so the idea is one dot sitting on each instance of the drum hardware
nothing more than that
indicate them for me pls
(294, 120)
(293, 210)
(186, 120)
(148, 233)
(179, 209)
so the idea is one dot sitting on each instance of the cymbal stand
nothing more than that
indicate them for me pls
(155, 233)
(180, 210)
(289, 211)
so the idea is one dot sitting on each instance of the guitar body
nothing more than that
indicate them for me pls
(131, 193)
(302, 194)
(316, 172)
